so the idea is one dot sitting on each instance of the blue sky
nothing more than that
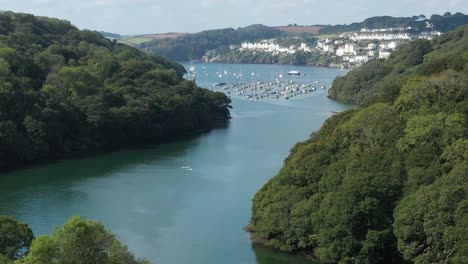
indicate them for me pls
(158, 16)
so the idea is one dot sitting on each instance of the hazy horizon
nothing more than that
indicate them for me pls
(136, 17)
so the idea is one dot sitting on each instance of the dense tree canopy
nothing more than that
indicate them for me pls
(79, 241)
(15, 239)
(64, 90)
(388, 182)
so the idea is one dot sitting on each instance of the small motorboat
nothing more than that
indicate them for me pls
(294, 73)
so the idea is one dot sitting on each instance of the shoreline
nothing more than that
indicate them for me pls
(259, 241)
(259, 63)
(89, 153)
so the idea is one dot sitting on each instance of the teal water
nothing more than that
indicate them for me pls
(163, 212)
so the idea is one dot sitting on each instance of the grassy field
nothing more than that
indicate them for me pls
(330, 36)
(300, 29)
(134, 41)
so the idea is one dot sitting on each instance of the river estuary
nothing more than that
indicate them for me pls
(165, 213)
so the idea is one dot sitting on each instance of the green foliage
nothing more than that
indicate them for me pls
(15, 239)
(385, 183)
(372, 22)
(259, 57)
(79, 241)
(5, 260)
(74, 90)
(431, 224)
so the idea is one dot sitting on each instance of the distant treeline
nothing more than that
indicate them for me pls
(110, 35)
(64, 90)
(443, 23)
(387, 182)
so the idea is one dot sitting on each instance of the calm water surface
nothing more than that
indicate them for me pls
(163, 212)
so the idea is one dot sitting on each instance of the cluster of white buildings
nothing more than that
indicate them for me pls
(381, 36)
(360, 47)
(355, 52)
(271, 46)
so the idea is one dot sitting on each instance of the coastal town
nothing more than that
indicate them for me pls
(346, 50)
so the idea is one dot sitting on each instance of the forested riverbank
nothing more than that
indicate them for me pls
(65, 90)
(385, 183)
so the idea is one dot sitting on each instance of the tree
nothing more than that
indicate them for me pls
(15, 238)
(80, 241)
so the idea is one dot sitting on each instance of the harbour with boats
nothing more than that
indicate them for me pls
(267, 82)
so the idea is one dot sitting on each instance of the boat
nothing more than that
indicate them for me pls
(294, 73)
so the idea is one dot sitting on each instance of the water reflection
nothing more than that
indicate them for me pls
(127, 184)
(266, 255)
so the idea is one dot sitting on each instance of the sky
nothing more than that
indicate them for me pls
(133, 17)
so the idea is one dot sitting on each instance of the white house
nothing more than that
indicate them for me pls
(391, 45)
(361, 58)
(384, 54)
(381, 36)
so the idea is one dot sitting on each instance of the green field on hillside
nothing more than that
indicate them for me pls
(134, 41)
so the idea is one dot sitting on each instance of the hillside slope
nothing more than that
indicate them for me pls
(388, 182)
(64, 90)
(194, 46)
(381, 80)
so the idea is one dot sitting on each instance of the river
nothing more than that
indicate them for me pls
(167, 214)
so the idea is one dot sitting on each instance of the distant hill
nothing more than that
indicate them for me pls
(443, 23)
(381, 80)
(140, 39)
(194, 46)
(301, 29)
